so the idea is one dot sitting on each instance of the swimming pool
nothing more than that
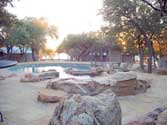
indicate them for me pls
(60, 67)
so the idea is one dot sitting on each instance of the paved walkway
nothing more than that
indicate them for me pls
(18, 101)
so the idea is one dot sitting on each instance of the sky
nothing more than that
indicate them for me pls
(70, 16)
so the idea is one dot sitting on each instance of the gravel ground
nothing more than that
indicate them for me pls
(18, 101)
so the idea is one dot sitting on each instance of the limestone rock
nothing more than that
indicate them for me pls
(91, 87)
(2, 78)
(82, 73)
(150, 118)
(51, 96)
(122, 76)
(12, 75)
(102, 109)
(126, 83)
(51, 74)
(30, 78)
(75, 86)
(162, 71)
(142, 86)
(134, 67)
(162, 118)
(124, 67)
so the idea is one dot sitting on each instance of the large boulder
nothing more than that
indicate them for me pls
(82, 87)
(126, 83)
(102, 109)
(51, 96)
(122, 84)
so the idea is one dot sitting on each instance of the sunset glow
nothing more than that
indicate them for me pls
(70, 16)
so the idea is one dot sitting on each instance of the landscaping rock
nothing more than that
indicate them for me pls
(30, 78)
(12, 75)
(124, 67)
(142, 86)
(134, 67)
(151, 118)
(122, 76)
(122, 87)
(162, 71)
(126, 83)
(75, 86)
(2, 78)
(147, 121)
(95, 71)
(51, 96)
(102, 109)
(82, 73)
(162, 118)
(51, 74)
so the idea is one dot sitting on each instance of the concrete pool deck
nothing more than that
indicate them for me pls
(18, 101)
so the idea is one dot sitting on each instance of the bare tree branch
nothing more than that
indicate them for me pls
(151, 5)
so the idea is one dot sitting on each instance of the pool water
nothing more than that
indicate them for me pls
(38, 68)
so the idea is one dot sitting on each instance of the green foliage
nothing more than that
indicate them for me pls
(134, 15)
(131, 15)
(78, 41)
(79, 46)
(6, 18)
(159, 6)
(28, 33)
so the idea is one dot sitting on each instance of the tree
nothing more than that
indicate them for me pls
(80, 45)
(6, 18)
(158, 5)
(39, 29)
(160, 42)
(28, 33)
(46, 52)
(125, 15)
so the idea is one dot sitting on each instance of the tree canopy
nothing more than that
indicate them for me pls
(137, 20)
(28, 33)
(78, 45)
(158, 5)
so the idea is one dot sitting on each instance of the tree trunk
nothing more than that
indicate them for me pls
(109, 55)
(141, 54)
(150, 50)
(155, 58)
(160, 49)
(148, 44)
(33, 55)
